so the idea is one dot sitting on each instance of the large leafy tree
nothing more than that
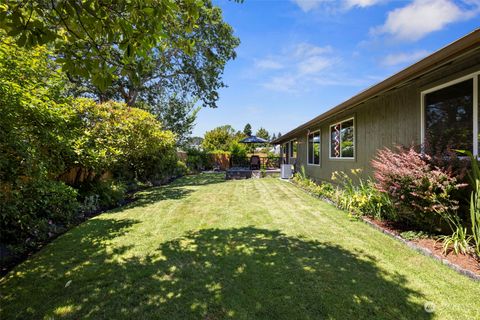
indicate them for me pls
(220, 138)
(178, 115)
(128, 49)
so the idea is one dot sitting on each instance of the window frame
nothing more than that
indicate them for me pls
(474, 76)
(319, 148)
(354, 140)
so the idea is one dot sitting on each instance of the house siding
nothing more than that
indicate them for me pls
(392, 118)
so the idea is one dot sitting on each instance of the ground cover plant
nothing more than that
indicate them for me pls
(203, 247)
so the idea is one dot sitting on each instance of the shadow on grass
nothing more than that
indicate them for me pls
(176, 190)
(246, 273)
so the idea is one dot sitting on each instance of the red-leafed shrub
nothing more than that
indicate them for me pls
(422, 193)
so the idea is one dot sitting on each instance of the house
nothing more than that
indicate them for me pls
(435, 100)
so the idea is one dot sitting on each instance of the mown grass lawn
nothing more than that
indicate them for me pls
(203, 248)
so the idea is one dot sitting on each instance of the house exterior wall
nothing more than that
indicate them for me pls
(392, 118)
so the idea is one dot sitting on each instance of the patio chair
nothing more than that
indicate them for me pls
(255, 163)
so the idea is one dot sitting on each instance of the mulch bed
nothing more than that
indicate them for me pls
(466, 264)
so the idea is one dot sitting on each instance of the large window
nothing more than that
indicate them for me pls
(450, 119)
(342, 140)
(313, 150)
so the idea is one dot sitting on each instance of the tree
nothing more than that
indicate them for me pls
(247, 130)
(274, 137)
(219, 138)
(263, 133)
(126, 49)
(177, 115)
(279, 135)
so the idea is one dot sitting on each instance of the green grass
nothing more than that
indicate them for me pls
(203, 248)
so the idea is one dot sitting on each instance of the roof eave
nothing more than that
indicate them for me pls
(436, 59)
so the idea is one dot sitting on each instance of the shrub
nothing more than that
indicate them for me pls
(128, 141)
(108, 194)
(197, 160)
(475, 202)
(323, 189)
(362, 197)
(35, 210)
(422, 193)
(238, 152)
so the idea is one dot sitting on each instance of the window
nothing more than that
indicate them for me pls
(313, 150)
(286, 151)
(342, 140)
(293, 149)
(450, 119)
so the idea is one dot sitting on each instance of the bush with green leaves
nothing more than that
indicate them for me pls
(197, 160)
(44, 134)
(323, 189)
(34, 210)
(361, 197)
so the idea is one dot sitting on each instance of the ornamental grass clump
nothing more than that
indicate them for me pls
(422, 193)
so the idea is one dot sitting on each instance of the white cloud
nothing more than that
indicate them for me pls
(282, 83)
(314, 64)
(308, 50)
(268, 63)
(421, 17)
(360, 3)
(404, 58)
(302, 63)
(308, 5)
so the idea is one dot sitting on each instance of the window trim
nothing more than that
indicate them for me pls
(319, 148)
(354, 140)
(474, 76)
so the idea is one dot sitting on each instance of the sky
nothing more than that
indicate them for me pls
(299, 58)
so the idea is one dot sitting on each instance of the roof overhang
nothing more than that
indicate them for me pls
(437, 59)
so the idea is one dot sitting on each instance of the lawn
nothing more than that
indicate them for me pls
(203, 248)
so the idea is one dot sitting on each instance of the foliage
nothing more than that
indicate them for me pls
(45, 135)
(458, 241)
(421, 192)
(361, 198)
(128, 48)
(197, 160)
(33, 210)
(475, 201)
(414, 235)
(323, 189)
(263, 133)
(220, 138)
(177, 115)
(108, 194)
(247, 130)
(128, 141)
(238, 152)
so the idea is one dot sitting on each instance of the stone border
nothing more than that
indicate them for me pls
(410, 244)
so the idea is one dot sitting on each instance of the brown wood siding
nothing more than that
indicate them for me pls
(390, 119)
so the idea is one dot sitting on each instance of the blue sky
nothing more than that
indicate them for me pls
(299, 58)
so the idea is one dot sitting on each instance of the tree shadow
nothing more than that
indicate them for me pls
(176, 190)
(244, 273)
(200, 179)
